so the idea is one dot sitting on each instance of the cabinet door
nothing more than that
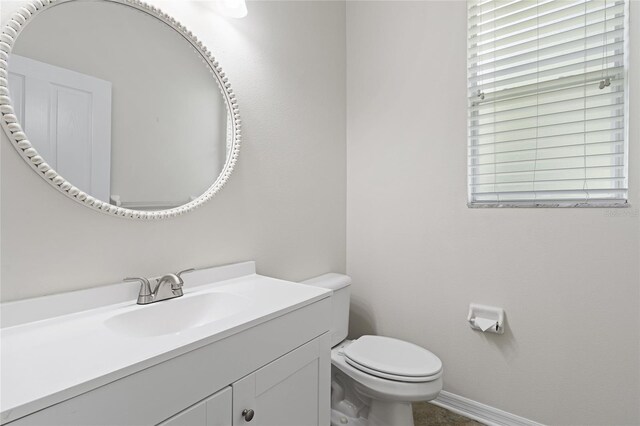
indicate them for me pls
(213, 411)
(291, 391)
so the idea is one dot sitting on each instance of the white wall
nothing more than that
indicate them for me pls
(568, 278)
(284, 206)
(169, 120)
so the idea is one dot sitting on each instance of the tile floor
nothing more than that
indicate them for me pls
(425, 414)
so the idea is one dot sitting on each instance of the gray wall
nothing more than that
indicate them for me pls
(568, 278)
(284, 206)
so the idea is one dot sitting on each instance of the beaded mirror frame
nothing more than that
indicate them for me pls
(20, 141)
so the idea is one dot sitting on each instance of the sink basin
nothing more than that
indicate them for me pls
(176, 315)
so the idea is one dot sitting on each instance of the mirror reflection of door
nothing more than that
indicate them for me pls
(67, 116)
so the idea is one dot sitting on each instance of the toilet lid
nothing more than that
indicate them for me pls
(392, 358)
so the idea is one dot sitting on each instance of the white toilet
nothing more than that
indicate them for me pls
(374, 379)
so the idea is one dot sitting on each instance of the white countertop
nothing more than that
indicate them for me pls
(49, 360)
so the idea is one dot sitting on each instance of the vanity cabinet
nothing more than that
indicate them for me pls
(282, 393)
(286, 392)
(213, 411)
(280, 369)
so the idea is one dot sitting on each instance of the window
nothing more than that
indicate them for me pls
(547, 119)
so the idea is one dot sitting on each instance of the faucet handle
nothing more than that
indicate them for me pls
(186, 271)
(180, 283)
(145, 285)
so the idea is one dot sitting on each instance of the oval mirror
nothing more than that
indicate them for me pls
(117, 105)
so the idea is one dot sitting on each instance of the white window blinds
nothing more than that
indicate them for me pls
(547, 102)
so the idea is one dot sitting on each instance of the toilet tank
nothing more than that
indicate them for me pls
(340, 284)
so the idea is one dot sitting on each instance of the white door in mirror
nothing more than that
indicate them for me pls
(67, 115)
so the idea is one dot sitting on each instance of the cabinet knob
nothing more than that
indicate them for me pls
(248, 414)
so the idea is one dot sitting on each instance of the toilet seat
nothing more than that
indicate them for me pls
(388, 376)
(392, 359)
(383, 389)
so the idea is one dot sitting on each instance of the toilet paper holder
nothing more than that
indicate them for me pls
(488, 319)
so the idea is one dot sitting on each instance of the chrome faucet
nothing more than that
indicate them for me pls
(167, 287)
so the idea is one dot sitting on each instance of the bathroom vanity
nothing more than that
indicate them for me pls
(237, 348)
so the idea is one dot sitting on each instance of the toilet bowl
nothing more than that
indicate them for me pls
(374, 379)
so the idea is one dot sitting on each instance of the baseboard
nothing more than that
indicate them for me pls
(480, 412)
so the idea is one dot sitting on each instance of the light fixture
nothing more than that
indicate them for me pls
(233, 8)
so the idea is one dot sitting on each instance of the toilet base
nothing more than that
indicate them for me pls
(352, 407)
(385, 413)
(341, 419)
(380, 414)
